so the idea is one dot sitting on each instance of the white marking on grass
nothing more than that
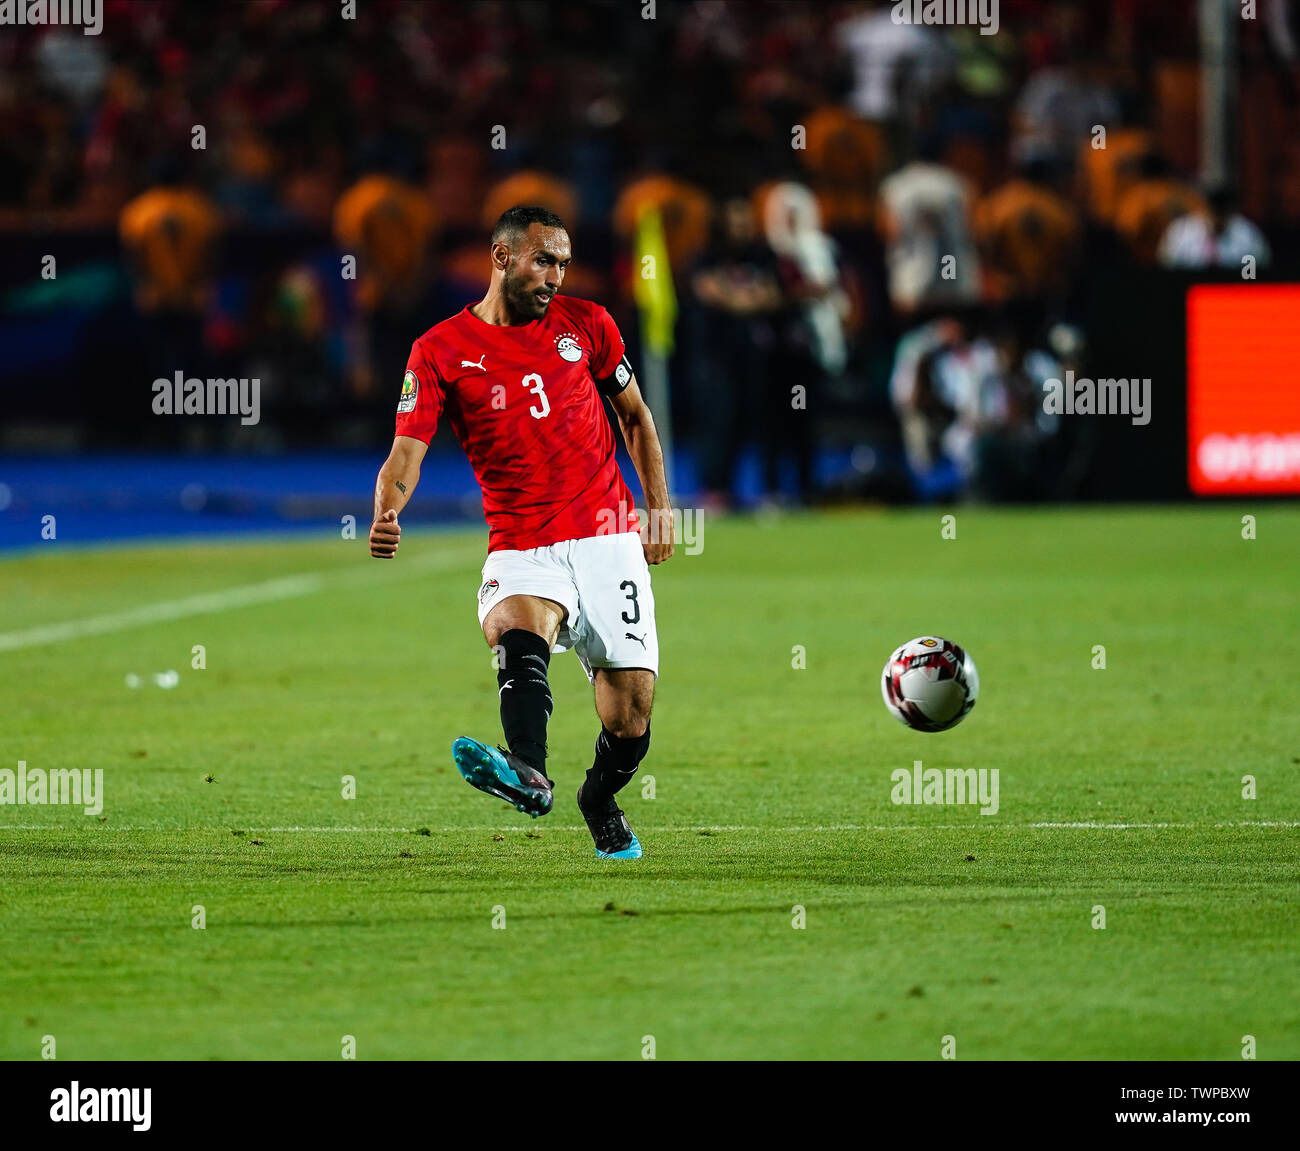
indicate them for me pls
(694, 827)
(207, 603)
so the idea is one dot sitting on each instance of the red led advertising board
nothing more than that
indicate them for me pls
(1243, 388)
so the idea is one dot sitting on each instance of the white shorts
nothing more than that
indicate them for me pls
(603, 584)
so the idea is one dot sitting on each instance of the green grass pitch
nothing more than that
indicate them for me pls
(329, 917)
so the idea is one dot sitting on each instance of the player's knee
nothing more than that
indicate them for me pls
(629, 724)
(518, 646)
(629, 718)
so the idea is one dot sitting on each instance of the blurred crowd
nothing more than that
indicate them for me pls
(878, 232)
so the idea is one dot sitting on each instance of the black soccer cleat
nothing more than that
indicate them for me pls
(609, 828)
(506, 776)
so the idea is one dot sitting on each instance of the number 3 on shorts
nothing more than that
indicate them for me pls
(635, 617)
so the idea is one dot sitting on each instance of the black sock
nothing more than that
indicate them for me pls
(526, 702)
(616, 763)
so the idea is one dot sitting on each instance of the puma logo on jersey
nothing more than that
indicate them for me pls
(472, 364)
(639, 638)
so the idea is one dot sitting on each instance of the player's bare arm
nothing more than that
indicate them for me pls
(396, 482)
(642, 440)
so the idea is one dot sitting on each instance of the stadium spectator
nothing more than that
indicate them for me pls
(925, 221)
(1009, 460)
(1057, 109)
(970, 404)
(924, 415)
(1218, 237)
(894, 64)
(737, 293)
(812, 343)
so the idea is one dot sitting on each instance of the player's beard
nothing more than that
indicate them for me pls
(521, 300)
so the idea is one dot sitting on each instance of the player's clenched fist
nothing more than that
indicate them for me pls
(385, 533)
(657, 553)
(657, 535)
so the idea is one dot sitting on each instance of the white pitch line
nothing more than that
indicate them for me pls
(268, 591)
(695, 827)
(1125, 826)
(286, 588)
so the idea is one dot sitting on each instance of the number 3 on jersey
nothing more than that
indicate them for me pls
(534, 381)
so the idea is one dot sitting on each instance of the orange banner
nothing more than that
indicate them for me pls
(1243, 388)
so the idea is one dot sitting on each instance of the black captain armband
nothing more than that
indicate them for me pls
(617, 380)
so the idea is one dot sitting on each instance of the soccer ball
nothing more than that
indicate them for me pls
(930, 684)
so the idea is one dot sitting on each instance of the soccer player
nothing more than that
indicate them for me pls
(520, 377)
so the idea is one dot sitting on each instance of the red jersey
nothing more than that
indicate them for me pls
(523, 402)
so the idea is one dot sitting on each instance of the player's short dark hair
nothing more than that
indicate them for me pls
(514, 222)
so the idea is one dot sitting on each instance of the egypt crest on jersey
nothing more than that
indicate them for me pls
(568, 347)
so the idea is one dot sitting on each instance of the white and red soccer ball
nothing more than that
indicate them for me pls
(930, 684)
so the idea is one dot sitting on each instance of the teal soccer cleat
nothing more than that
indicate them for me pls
(609, 828)
(506, 776)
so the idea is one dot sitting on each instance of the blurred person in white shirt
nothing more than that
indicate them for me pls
(1218, 238)
(925, 218)
(887, 55)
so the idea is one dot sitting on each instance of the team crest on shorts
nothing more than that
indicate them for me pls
(410, 392)
(488, 590)
(568, 347)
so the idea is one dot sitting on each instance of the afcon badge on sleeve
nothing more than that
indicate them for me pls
(410, 390)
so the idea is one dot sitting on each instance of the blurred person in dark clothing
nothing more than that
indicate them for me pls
(969, 397)
(812, 342)
(169, 233)
(929, 403)
(300, 385)
(735, 287)
(387, 224)
(1012, 429)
